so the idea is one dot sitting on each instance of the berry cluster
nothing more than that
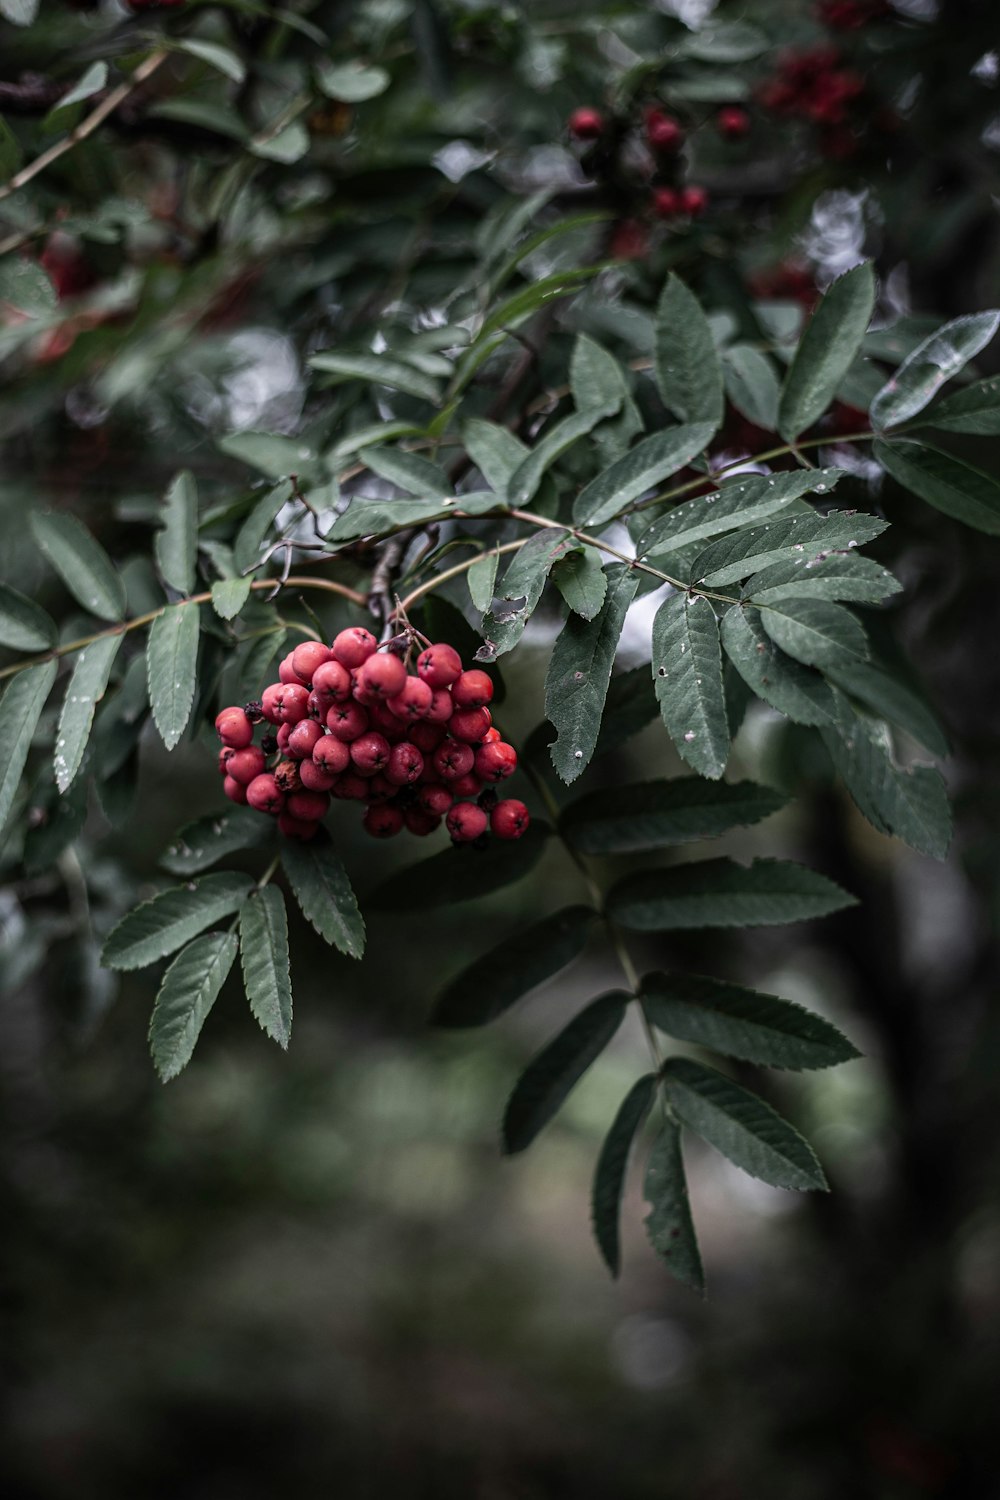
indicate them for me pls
(813, 85)
(350, 721)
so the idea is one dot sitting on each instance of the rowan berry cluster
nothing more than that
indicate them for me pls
(350, 721)
(814, 85)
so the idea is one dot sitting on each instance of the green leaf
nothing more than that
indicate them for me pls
(63, 114)
(967, 494)
(376, 369)
(494, 450)
(481, 580)
(724, 42)
(911, 804)
(24, 625)
(612, 1166)
(687, 367)
(975, 409)
(25, 285)
(596, 380)
(492, 984)
(530, 298)
(806, 537)
(81, 562)
(668, 1223)
(201, 844)
(816, 632)
(172, 669)
(250, 537)
(176, 545)
(522, 587)
(86, 689)
(20, 710)
(189, 989)
(264, 960)
(582, 581)
(229, 596)
(526, 478)
(289, 145)
(936, 360)
(752, 385)
(576, 684)
(11, 154)
(840, 575)
(687, 674)
(223, 59)
(371, 517)
(721, 893)
(461, 874)
(352, 82)
(827, 350)
(269, 453)
(629, 707)
(891, 699)
(553, 1072)
(169, 920)
(794, 690)
(742, 1023)
(410, 472)
(740, 1125)
(656, 814)
(323, 890)
(640, 469)
(736, 503)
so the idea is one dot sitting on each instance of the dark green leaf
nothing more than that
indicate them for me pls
(687, 674)
(576, 684)
(956, 488)
(840, 575)
(176, 545)
(250, 537)
(816, 632)
(742, 1023)
(827, 350)
(172, 666)
(229, 596)
(81, 562)
(911, 804)
(323, 890)
(24, 625)
(612, 1166)
(522, 586)
(168, 921)
(526, 478)
(596, 379)
(461, 873)
(553, 1072)
(376, 369)
(264, 959)
(189, 989)
(201, 844)
(687, 367)
(932, 363)
(741, 1126)
(806, 537)
(409, 472)
(640, 469)
(85, 690)
(221, 58)
(25, 286)
(268, 452)
(655, 814)
(721, 893)
(794, 690)
(520, 963)
(975, 409)
(752, 385)
(668, 1223)
(891, 699)
(582, 581)
(20, 710)
(494, 450)
(737, 502)
(481, 579)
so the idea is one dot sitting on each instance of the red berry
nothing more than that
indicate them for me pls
(405, 764)
(297, 828)
(434, 798)
(292, 703)
(244, 765)
(442, 707)
(492, 734)
(467, 786)
(270, 701)
(307, 657)
(350, 787)
(510, 819)
(414, 700)
(382, 718)
(316, 706)
(347, 721)
(265, 795)
(281, 738)
(234, 728)
(470, 725)
(354, 646)
(473, 689)
(663, 132)
(304, 738)
(287, 673)
(316, 778)
(369, 753)
(288, 776)
(225, 756)
(382, 821)
(331, 755)
(733, 123)
(439, 665)
(426, 736)
(629, 240)
(378, 789)
(452, 759)
(466, 822)
(234, 790)
(332, 681)
(666, 203)
(496, 761)
(309, 806)
(421, 823)
(383, 675)
(586, 123)
(694, 201)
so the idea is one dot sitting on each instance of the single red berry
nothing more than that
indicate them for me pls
(467, 786)
(309, 806)
(304, 738)
(382, 820)
(287, 673)
(663, 132)
(347, 721)
(439, 665)
(354, 646)
(234, 790)
(369, 753)
(421, 823)
(414, 700)
(694, 201)
(492, 734)
(496, 761)
(733, 123)
(442, 707)
(434, 798)
(405, 764)
(469, 724)
(350, 787)
(307, 657)
(629, 240)
(472, 689)
(317, 706)
(466, 822)
(281, 738)
(510, 819)
(586, 123)
(314, 778)
(332, 682)
(383, 675)
(234, 728)
(666, 202)
(297, 828)
(288, 775)
(426, 736)
(378, 789)
(452, 759)
(225, 756)
(265, 795)
(331, 755)
(382, 718)
(293, 703)
(244, 765)
(270, 702)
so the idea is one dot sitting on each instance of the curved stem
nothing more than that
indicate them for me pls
(454, 572)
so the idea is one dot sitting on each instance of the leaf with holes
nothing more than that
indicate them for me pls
(85, 690)
(612, 1166)
(554, 1072)
(264, 960)
(81, 562)
(520, 589)
(576, 684)
(189, 989)
(172, 669)
(166, 922)
(323, 890)
(687, 674)
(656, 814)
(668, 1223)
(722, 893)
(201, 844)
(493, 983)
